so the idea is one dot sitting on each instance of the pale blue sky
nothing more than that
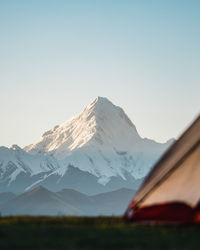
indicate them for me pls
(57, 56)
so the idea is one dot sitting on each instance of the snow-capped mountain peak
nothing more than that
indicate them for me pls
(101, 122)
(101, 140)
(99, 149)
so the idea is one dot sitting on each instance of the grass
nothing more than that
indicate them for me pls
(103, 233)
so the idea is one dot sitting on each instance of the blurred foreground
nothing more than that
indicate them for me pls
(93, 233)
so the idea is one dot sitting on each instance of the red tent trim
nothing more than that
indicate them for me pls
(177, 212)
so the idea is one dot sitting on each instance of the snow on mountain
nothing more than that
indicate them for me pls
(17, 165)
(96, 151)
(100, 123)
(102, 141)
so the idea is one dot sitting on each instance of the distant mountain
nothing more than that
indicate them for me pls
(101, 141)
(79, 200)
(97, 151)
(6, 196)
(40, 201)
(114, 202)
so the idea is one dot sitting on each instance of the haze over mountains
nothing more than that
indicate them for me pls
(40, 201)
(96, 151)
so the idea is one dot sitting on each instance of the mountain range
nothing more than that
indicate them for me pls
(96, 151)
(40, 201)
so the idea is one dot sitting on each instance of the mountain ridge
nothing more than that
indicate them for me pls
(41, 201)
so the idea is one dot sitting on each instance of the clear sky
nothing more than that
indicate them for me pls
(57, 56)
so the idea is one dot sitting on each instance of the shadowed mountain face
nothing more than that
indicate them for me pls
(86, 182)
(83, 202)
(40, 201)
(113, 203)
(4, 197)
(97, 151)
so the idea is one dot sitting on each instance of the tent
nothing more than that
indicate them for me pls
(171, 191)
